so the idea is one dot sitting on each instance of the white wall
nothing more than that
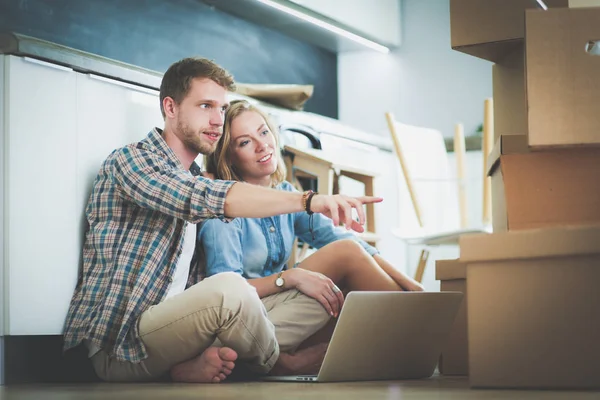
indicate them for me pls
(424, 83)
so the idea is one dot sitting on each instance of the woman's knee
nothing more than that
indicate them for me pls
(349, 248)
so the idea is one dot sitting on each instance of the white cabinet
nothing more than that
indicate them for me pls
(40, 141)
(59, 125)
(379, 20)
(110, 114)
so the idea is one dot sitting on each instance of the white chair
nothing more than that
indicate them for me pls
(439, 202)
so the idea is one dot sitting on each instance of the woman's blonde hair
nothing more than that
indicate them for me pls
(219, 162)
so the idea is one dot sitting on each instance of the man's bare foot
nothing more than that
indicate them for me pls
(212, 366)
(305, 361)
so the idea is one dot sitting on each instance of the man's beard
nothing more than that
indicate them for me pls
(193, 140)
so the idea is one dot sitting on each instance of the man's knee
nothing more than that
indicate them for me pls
(228, 281)
(228, 286)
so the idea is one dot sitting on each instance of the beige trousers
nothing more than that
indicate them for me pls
(223, 309)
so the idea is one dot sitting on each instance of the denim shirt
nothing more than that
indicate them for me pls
(259, 247)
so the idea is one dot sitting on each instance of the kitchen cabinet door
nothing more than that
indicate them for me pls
(110, 114)
(40, 224)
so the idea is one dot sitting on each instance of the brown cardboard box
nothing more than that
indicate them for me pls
(510, 104)
(490, 29)
(551, 92)
(454, 360)
(584, 3)
(563, 77)
(545, 188)
(534, 308)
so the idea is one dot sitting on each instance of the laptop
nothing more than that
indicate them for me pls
(386, 336)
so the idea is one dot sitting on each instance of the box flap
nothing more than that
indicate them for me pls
(495, 52)
(508, 86)
(490, 29)
(506, 144)
(450, 269)
(534, 243)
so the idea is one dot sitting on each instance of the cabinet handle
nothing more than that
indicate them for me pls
(47, 64)
(123, 84)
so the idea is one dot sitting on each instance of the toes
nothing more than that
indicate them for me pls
(227, 354)
(228, 364)
(222, 377)
(226, 371)
(216, 379)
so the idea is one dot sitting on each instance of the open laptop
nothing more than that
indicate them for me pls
(386, 336)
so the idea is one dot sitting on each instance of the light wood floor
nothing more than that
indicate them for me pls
(435, 388)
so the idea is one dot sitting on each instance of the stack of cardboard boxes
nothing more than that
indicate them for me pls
(533, 306)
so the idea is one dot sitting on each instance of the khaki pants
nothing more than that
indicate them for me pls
(223, 309)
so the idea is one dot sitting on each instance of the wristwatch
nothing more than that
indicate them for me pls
(279, 282)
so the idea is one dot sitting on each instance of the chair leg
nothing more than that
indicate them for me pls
(421, 266)
(302, 254)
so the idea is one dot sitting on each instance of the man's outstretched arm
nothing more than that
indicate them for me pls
(251, 201)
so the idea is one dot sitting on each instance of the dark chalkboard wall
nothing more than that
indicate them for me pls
(155, 33)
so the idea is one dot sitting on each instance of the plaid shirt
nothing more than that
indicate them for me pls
(137, 213)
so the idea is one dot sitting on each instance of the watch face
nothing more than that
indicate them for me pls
(279, 282)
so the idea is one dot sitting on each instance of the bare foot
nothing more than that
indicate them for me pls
(408, 284)
(212, 366)
(306, 361)
(412, 286)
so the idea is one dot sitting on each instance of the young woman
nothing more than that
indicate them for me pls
(258, 248)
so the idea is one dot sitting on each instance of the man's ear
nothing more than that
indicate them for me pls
(169, 106)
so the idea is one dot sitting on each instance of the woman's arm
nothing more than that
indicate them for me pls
(324, 232)
(312, 284)
(223, 248)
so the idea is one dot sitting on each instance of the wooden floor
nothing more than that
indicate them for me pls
(435, 388)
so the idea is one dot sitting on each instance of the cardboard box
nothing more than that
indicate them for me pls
(454, 360)
(490, 29)
(551, 92)
(563, 77)
(545, 188)
(584, 3)
(510, 104)
(533, 308)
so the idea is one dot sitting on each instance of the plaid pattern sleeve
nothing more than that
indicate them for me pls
(140, 204)
(146, 179)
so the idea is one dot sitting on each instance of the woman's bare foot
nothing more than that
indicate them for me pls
(305, 361)
(407, 283)
(212, 366)
(411, 285)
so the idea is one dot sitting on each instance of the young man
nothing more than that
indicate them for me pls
(140, 305)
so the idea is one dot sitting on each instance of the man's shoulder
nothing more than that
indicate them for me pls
(145, 145)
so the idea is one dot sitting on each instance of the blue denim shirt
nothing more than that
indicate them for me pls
(259, 247)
